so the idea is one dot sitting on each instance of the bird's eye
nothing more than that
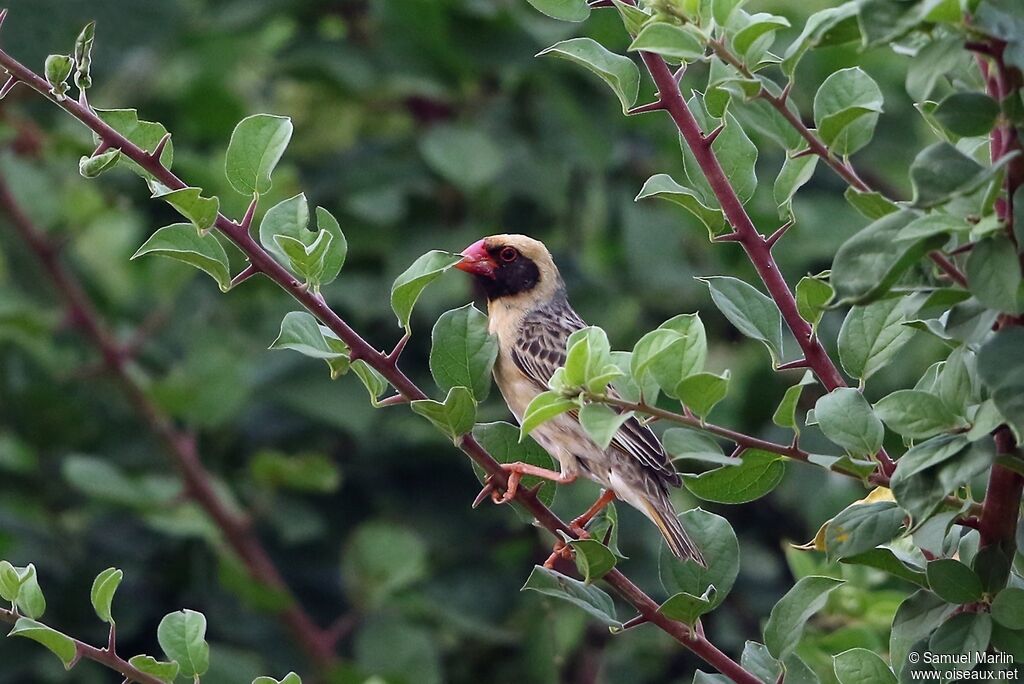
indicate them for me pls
(508, 254)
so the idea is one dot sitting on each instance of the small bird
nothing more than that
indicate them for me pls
(530, 314)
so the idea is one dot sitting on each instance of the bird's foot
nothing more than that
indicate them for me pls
(516, 471)
(579, 524)
(562, 550)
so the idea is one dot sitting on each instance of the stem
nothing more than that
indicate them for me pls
(261, 260)
(757, 248)
(180, 446)
(102, 656)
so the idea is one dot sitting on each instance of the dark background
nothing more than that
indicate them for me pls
(421, 124)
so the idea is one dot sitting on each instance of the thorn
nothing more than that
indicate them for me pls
(802, 153)
(649, 107)
(709, 139)
(979, 47)
(248, 272)
(8, 85)
(679, 73)
(392, 358)
(634, 622)
(3, 15)
(484, 493)
(597, 4)
(962, 249)
(737, 452)
(779, 232)
(970, 521)
(784, 96)
(101, 148)
(794, 443)
(728, 237)
(250, 211)
(394, 400)
(159, 149)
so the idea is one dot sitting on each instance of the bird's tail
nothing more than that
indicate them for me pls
(663, 514)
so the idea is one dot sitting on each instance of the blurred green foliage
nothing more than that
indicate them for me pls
(419, 124)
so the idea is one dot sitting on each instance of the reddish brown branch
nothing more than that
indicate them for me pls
(180, 446)
(104, 656)
(265, 263)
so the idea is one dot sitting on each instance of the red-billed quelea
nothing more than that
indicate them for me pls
(529, 313)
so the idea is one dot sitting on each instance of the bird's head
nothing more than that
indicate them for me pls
(510, 266)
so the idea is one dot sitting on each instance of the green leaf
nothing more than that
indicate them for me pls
(543, 408)
(716, 539)
(602, 422)
(619, 72)
(189, 202)
(687, 608)
(846, 109)
(256, 146)
(785, 414)
(861, 527)
(57, 70)
(915, 619)
(633, 18)
(760, 473)
(408, 286)
(455, 416)
(859, 665)
(701, 391)
(61, 645)
(683, 443)
(795, 173)
(933, 468)
(466, 157)
(563, 10)
(592, 600)
(10, 582)
(736, 153)
(372, 380)
(967, 114)
(668, 355)
(786, 623)
(868, 264)
(759, 662)
(872, 335)
(301, 332)
(1003, 19)
(182, 636)
(759, 26)
(1008, 608)
(662, 186)
(380, 560)
(964, 633)
(884, 559)
(462, 351)
(501, 440)
(102, 595)
(145, 134)
(941, 172)
(304, 472)
(290, 678)
(993, 272)
(30, 599)
(870, 205)
(813, 294)
(953, 581)
(83, 56)
(830, 26)
(916, 414)
(164, 671)
(588, 362)
(677, 43)
(846, 418)
(181, 242)
(593, 559)
(335, 257)
(753, 314)
(90, 167)
(1001, 369)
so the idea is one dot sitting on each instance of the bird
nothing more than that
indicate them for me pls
(529, 313)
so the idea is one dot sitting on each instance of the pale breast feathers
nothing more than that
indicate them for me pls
(539, 350)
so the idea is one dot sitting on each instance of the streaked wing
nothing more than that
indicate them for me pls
(540, 350)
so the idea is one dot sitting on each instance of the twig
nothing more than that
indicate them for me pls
(361, 349)
(180, 446)
(105, 657)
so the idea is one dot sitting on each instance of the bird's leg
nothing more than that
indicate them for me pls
(579, 524)
(561, 550)
(515, 474)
